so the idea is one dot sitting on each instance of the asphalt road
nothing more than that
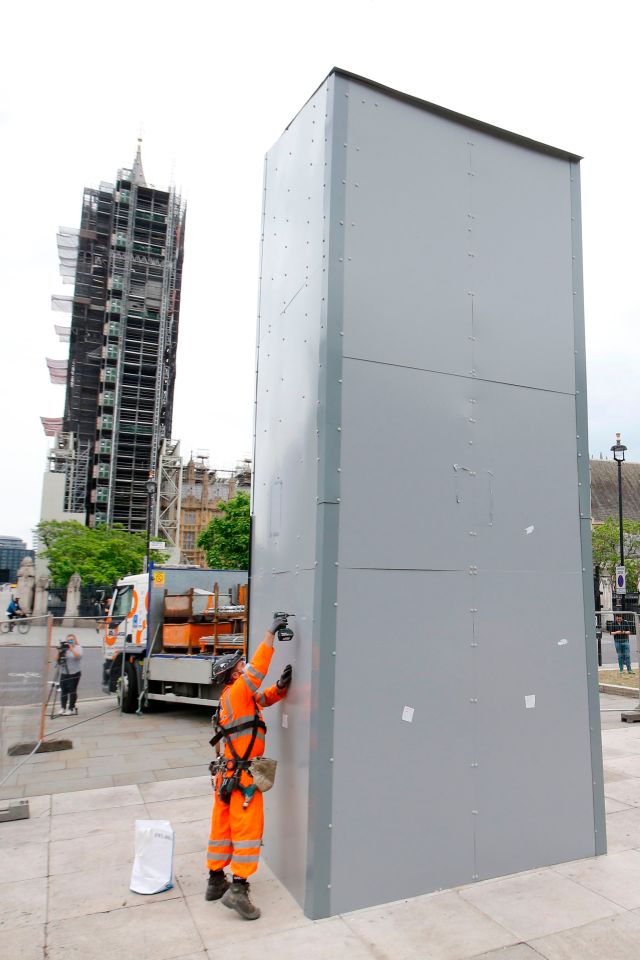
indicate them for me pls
(21, 679)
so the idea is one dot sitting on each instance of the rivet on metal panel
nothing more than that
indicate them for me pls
(474, 644)
(334, 653)
(341, 259)
(339, 429)
(472, 533)
(344, 181)
(356, 184)
(344, 144)
(475, 813)
(330, 759)
(341, 223)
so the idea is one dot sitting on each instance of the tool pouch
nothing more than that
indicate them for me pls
(263, 771)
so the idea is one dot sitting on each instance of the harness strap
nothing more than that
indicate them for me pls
(255, 724)
(227, 731)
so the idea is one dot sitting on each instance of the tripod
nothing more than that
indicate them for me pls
(54, 687)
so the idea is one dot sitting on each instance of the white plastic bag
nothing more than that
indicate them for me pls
(153, 865)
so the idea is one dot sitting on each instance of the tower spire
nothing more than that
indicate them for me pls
(137, 173)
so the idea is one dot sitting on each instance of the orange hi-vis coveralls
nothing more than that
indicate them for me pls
(236, 832)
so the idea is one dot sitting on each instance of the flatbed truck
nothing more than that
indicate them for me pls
(166, 628)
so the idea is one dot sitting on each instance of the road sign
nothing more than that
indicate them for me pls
(621, 580)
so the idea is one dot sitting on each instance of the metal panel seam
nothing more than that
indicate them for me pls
(593, 696)
(318, 884)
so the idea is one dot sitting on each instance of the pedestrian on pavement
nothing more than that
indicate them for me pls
(237, 819)
(620, 634)
(70, 660)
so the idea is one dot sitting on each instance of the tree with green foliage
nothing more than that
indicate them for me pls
(606, 549)
(100, 555)
(226, 539)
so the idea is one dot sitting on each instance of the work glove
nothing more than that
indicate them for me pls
(278, 623)
(285, 679)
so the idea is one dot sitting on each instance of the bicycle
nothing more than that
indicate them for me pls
(22, 624)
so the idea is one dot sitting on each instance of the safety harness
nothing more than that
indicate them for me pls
(232, 769)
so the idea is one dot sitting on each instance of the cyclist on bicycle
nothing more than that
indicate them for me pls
(14, 610)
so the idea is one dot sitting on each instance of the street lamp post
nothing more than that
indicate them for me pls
(152, 486)
(618, 451)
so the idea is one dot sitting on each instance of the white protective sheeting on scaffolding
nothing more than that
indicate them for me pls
(64, 333)
(62, 303)
(57, 370)
(51, 425)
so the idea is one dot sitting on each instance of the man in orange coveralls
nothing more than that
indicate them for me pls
(237, 819)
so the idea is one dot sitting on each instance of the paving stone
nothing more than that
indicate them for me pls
(623, 830)
(615, 876)
(222, 930)
(91, 853)
(24, 861)
(615, 938)
(538, 903)
(175, 790)
(152, 930)
(520, 951)
(322, 939)
(69, 785)
(22, 903)
(120, 779)
(175, 773)
(438, 927)
(23, 943)
(183, 810)
(96, 890)
(96, 800)
(108, 822)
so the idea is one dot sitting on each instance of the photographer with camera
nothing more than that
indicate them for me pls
(70, 660)
(237, 819)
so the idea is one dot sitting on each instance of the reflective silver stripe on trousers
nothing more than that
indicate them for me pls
(246, 843)
(246, 858)
(220, 843)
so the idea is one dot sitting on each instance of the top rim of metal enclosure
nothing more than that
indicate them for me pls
(449, 115)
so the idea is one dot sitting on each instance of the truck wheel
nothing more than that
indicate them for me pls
(128, 689)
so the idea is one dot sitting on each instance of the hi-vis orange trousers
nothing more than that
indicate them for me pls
(236, 834)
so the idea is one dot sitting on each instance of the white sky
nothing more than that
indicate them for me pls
(212, 86)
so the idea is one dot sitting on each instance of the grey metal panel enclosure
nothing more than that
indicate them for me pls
(420, 502)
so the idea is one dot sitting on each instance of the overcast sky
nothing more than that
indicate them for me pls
(211, 86)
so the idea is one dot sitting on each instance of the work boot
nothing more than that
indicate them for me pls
(237, 898)
(217, 885)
